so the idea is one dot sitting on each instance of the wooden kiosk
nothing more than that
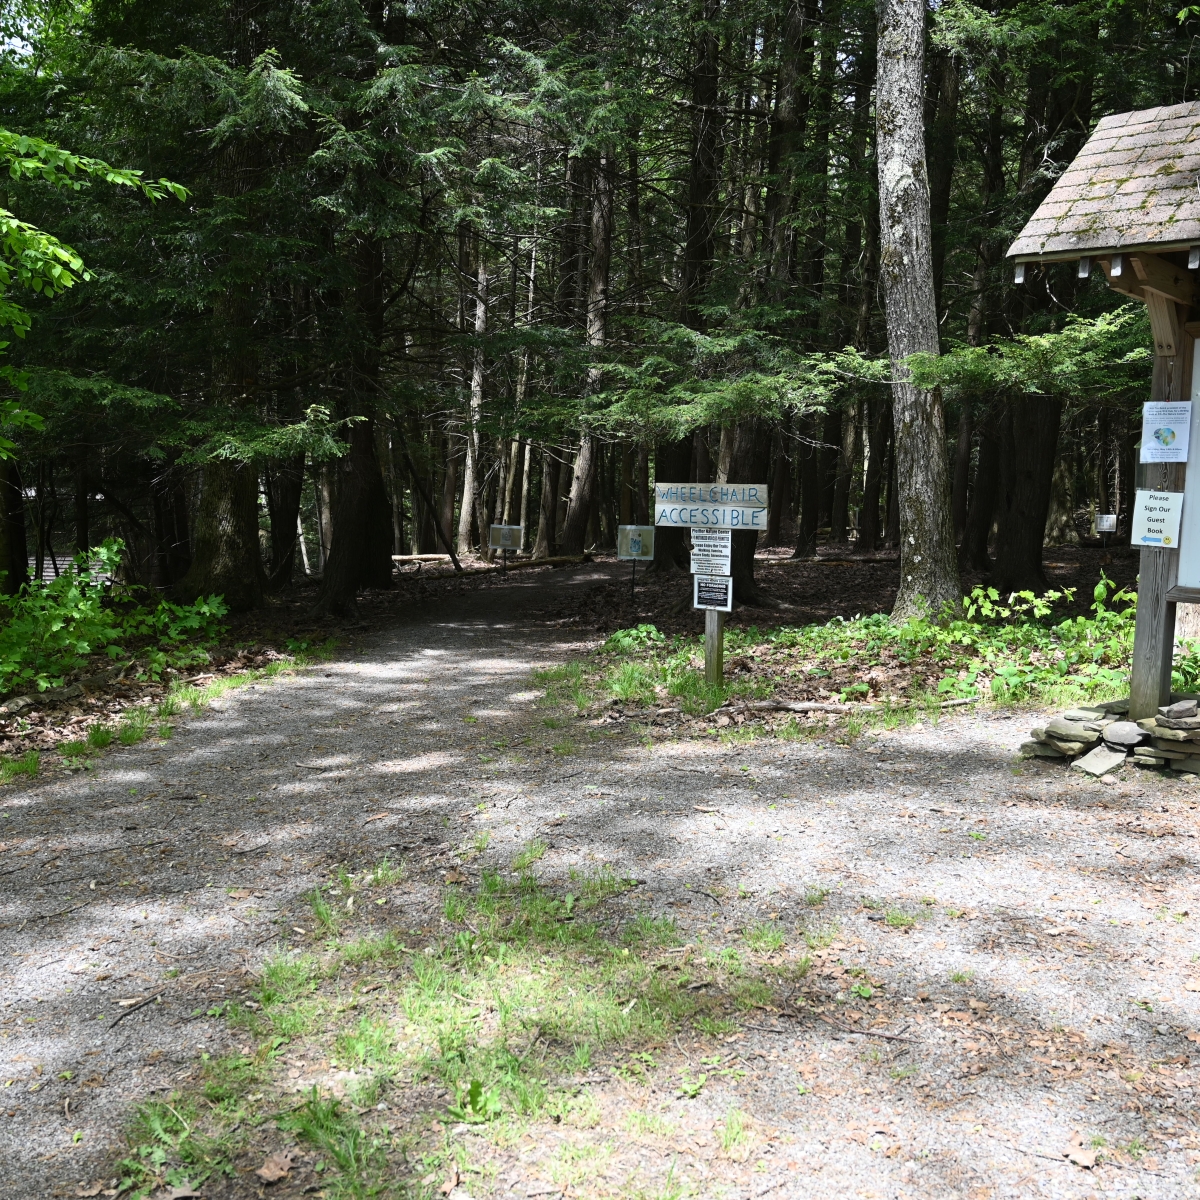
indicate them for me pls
(1130, 202)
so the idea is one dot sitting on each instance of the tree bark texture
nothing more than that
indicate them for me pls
(981, 510)
(283, 482)
(226, 525)
(928, 566)
(1028, 443)
(749, 464)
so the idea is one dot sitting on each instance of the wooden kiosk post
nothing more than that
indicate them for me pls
(1129, 202)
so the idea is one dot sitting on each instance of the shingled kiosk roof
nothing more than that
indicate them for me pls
(1133, 186)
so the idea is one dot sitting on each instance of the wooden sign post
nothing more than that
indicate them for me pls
(1128, 201)
(713, 512)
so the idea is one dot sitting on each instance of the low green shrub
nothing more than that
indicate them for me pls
(49, 629)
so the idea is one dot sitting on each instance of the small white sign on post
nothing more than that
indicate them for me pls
(711, 551)
(504, 537)
(635, 542)
(1106, 522)
(1156, 519)
(713, 591)
(1165, 429)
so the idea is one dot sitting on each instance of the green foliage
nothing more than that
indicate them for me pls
(1009, 648)
(52, 628)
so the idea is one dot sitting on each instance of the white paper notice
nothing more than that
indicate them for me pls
(1156, 519)
(1165, 429)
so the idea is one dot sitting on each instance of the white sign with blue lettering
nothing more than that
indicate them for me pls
(710, 516)
(720, 495)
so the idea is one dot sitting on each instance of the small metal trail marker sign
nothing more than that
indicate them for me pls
(635, 543)
(504, 538)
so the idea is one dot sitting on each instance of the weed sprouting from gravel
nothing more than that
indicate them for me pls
(765, 937)
(530, 853)
(327, 920)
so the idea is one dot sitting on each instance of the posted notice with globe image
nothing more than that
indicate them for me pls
(1165, 428)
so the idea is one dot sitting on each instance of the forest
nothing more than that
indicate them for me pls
(293, 287)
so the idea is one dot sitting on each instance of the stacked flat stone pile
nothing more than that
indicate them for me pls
(1097, 740)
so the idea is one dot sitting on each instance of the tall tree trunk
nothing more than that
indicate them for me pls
(227, 559)
(14, 551)
(471, 500)
(981, 510)
(749, 463)
(781, 488)
(810, 461)
(1028, 446)
(928, 568)
(962, 470)
(943, 128)
(544, 544)
(362, 521)
(284, 482)
(83, 496)
(879, 413)
(839, 522)
(704, 165)
(788, 121)
(672, 461)
(583, 485)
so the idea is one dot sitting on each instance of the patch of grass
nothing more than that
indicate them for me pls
(564, 684)
(716, 1026)
(72, 749)
(373, 948)
(383, 873)
(26, 764)
(764, 937)
(641, 1123)
(554, 722)
(896, 918)
(904, 1071)
(481, 842)
(814, 897)
(323, 1123)
(734, 1135)
(632, 682)
(564, 749)
(530, 853)
(657, 931)
(132, 728)
(368, 1044)
(328, 921)
(961, 976)
(818, 939)
(99, 737)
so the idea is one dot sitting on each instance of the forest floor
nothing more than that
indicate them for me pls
(402, 922)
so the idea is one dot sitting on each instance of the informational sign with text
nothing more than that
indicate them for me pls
(712, 591)
(1165, 429)
(635, 542)
(707, 516)
(504, 537)
(744, 495)
(1156, 519)
(711, 551)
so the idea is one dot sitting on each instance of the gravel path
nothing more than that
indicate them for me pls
(1033, 931)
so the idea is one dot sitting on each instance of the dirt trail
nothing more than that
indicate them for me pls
(1045, 975)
